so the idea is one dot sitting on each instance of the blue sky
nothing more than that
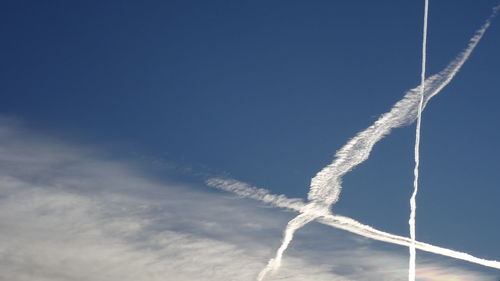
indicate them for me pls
(265, 92)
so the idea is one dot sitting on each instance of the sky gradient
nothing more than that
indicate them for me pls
(263, 92)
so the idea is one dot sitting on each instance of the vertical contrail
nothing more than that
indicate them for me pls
(326, 185)
(413, 199)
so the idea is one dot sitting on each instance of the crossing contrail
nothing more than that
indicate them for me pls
(341, 222)
(413, 199)
(326, 186)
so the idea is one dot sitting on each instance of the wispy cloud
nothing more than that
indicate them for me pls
(67, 214)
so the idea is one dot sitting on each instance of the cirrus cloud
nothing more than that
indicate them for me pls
(68, 214)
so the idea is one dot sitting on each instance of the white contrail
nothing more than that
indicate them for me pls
(326, 185)
(296, 223)
(337, 221)
(413, 199)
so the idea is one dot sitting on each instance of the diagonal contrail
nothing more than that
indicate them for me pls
(326, 185)
(244, 190)
(413, 199)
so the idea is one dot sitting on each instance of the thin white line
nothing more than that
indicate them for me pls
(413, 201)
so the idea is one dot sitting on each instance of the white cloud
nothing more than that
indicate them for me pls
(66, 214)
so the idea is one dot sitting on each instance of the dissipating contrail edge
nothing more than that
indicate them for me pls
(341, 222)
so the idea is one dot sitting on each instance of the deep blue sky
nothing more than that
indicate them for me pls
(267, 91)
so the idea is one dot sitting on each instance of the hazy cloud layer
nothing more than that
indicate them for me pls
(67, 214)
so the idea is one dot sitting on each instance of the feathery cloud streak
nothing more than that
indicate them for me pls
(345, 223)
